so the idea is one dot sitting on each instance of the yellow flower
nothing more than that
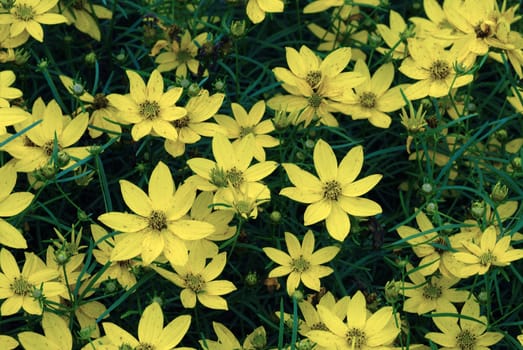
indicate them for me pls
(414, 122)
(11, 116)
(256, 9)
(469, 334)
(335, 194)
(197, 281)
(245, 123)
(314, 84)
(373, 99)
(228, 341)
(7, 78)
(28, 15)
(433, 247)
(193, 125)
(37, 149)
(104, 116)
(179, 55)
(57, 335)
(118, 270)
(342, 32)
(322, 5)
(301, 264)
(243, 200)
(434, 68)
(232, 167)
(516, 99)
(434, 294)
(151, 332)
(9, 43)
(11, 204)
(84, 15)
(148, 107)
(158, 224)
(27, 288)
(491, 251)
(362, 330)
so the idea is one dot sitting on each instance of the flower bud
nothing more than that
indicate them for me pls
(501, 135)
(499, 192)
(516, 163)
(432, 208)
(426, 188)
(238, 28)
(392, 289)
(477, 209)
(62, 159)
(275, 216)
(90, 58)
(193, 90)
(251, 279)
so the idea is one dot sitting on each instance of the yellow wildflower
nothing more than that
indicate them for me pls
(7, 78)
(84, 15)
(256, 9)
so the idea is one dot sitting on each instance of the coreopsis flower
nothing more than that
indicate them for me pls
(322, 5)
(513, 46)
(29, 15)
(373, 98)
(490, 251)
(11, 204)
(57, 335)
(7, 78)
(227, 340)
(157, 225)
(148, 107)
(302, 264)
(428, 295)
(436, 26)
(151, 332)
(84, 15)
(104, 116)
(180, 56)
(7, 342)
(335, 193)
(414, 122)
(469, 334)
(433, 247)
(342, 32)
(314, 84)
(394, 36)
(194, 124)
(257, 9)
(202, 210)
(232, 167)
(25, 290)
(197, 281)
(117, 270)
(362, 330)
(55, 134)
(435, 68)
(245, 123)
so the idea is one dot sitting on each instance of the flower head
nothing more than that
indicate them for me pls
(335, 193)
(301, 263)
(469, 334)
(158, 225)
(151, 332)
(7, 78)
(256, 9)
(197, 281)
(148, 107)
(83, 15)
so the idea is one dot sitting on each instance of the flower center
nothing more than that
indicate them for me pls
(315, 100)
(313, 78)
(432, 291)
(194, 282)
(332, 190)
(246, 130)
(182, 122)
(183, 56)
(21, 286)
(368, 99)
(145, 346)
(466, 340)
(356, 338)
(48, 148)
(487, 258)
(300, 265)
(234, 176)
(158, 220)
(100, 101)
(319, 326)
(439, 70)
(24, 12)
(149, 109)
(485, 29)
(125, 346)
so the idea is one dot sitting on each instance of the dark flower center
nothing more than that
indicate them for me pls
(466, 340)
(194, 282)
(356, 338)
(368, 99)
(313, 78)
(332, 190)
(158, 220)
(439, 70)
(149, 110)
(24, 12)
(300, 265)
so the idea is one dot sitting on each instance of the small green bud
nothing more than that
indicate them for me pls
(86, 332)
(499, 192)
(184, 83)
(21, 57)
(219, 85)
(43, 64)
(110, 286)
(90, 58)
(501, 135)
(516, 163)
(47, 172)
(251, 279)
(477, 209)
(120, 57)
(77, 89)
(193, 90)
(309, 143)
(426, 188)
(275, 216)
(392, 290)
(298, 295)
(37, 293)
(259, 340)
(483, 297)
(238, 28)
(374, 39)
(300, 155)
(61, 257)
(432, 208)
(62, 159)
(158, 299)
